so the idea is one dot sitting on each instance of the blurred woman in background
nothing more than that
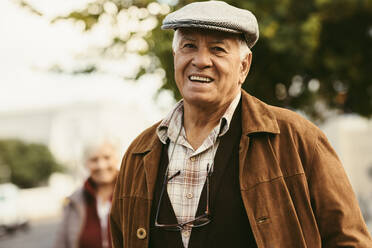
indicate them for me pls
(86, 212)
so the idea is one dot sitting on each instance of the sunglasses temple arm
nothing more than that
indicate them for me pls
(161, 193)
(208, 171)
(176, 174)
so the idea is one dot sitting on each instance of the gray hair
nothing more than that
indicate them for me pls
(96, 142)
(243, 46)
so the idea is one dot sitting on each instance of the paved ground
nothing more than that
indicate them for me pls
(40, 234)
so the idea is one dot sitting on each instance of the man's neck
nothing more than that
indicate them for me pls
(199, 122)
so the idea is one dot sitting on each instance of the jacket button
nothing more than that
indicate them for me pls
(141, 233)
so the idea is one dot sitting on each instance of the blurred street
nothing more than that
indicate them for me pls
(40, 234)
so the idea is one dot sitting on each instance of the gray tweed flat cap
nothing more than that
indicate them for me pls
(215, 15)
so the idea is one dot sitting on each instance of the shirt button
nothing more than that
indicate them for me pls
(192, 159)
(186, 233)
(189, 195)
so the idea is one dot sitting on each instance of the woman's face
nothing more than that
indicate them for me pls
(102, 164)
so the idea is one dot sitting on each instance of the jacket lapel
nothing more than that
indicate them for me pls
(258, 124)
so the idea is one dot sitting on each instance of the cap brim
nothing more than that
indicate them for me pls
(198, 25)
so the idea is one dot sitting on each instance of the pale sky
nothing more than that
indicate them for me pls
(29, 45)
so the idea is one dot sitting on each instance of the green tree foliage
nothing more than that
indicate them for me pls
(30, 164)
(312, 55)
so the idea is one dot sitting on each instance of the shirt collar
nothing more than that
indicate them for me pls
(227, 116)
(171, 124)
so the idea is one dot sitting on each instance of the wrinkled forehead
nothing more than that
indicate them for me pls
(194, 33)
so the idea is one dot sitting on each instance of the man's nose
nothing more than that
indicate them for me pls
(202, 59)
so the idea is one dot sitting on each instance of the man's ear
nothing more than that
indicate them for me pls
(245, 66)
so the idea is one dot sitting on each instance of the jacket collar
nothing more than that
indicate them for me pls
(256, 118)
(150, 142)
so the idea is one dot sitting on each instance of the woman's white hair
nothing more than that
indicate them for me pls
(95, 142)
(243, 47)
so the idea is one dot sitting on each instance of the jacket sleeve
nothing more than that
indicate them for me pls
(61, 240)
(336, 209)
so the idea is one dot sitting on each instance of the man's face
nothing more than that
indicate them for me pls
(208, 69)
(102, 164)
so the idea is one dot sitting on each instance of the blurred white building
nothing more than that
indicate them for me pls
(66, 128)
(351, 137)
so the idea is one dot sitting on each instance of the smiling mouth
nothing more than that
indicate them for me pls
(200, 79)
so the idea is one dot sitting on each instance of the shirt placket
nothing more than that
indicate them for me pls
(196, 173)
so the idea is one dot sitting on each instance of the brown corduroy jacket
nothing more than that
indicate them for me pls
(294, 188)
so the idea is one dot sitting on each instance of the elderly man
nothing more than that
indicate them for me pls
(224, 169)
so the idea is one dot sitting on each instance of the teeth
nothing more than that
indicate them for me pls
(201, 79)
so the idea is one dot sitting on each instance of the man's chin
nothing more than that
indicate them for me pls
(201, 99)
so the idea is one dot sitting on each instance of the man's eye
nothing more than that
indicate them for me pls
(218, 49)
(189, 45)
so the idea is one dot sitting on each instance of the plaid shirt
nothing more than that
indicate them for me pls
(185, 189)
